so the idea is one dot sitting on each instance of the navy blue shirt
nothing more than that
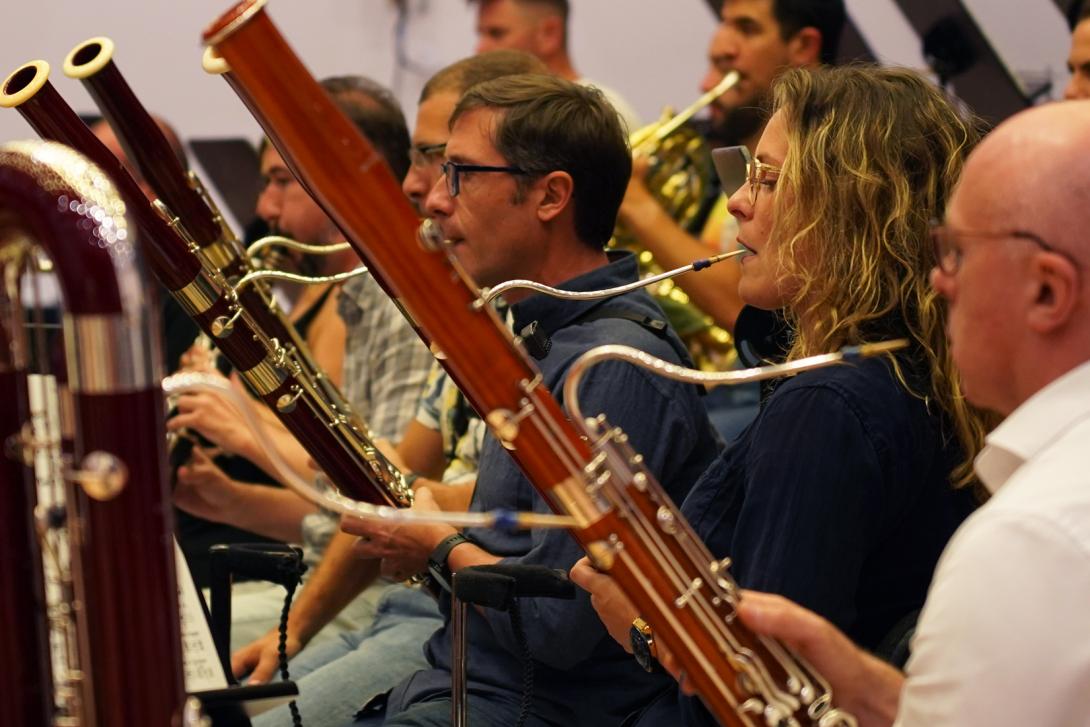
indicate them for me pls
(837, 497)
(582, 677)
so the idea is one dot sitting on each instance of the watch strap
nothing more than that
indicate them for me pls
(437, 561)
(643, 645)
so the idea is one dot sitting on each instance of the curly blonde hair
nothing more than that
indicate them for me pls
(873, 156)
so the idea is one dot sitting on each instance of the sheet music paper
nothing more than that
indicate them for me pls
(203, 670)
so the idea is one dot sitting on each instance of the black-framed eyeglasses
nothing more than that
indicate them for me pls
(948, 252)
(736, 167)
(426, 154)
(453, 171)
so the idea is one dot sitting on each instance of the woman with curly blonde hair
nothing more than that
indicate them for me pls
(843, 492)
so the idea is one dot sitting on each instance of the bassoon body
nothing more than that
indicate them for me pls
(27, 697)
(117, 513)
(335, 442)
(185, 201)
(629, 528)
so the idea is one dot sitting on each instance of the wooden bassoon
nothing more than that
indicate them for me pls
(27, 695)
(583, 469)
(184, 199)
(335, 441)
(124, 610)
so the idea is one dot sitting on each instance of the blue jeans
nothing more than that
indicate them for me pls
(436, 713)
(338, 677)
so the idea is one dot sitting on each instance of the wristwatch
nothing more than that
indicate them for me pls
(643, 645)
(437, 561)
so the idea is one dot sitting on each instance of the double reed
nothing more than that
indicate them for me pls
(744, 679)
(124, 608)
(335, 441)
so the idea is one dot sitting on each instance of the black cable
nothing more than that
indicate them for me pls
(294, 572)
(527, 664)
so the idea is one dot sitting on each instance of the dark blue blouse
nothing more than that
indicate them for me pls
(837, 497)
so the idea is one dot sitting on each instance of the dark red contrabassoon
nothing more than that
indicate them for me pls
(117, 496)
(27, 697)
(627, 524)
(333, 441)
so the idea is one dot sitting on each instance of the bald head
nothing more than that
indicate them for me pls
(1019, 308)
(1032, 173)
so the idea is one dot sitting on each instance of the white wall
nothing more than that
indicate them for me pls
(652, 51)
(158, 50)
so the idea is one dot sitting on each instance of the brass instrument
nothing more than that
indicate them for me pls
(257, 248)
(100, 529)
(679, 175)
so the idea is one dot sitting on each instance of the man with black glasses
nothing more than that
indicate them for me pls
(535, 169)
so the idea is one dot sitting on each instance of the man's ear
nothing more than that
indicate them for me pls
(550, 36)
(804, 48)
(1057, 294)
(555, 191)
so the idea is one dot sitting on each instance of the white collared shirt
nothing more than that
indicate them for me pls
(1004, 638)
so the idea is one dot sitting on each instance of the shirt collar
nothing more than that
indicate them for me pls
(553, 314)
(1039, 421)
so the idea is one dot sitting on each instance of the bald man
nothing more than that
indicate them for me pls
(1004, 638)
(540, 28)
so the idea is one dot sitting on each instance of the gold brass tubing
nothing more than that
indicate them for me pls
(123, 364)
(219, 254)
(666, 128)
(175, 223)
(265, 378)
(270, 240)
(232, 247)
(293, 278)
(717, 378)
(198, 296)
(16, 255)
(494, 292)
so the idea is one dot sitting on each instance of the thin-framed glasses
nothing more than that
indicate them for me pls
(735, 167)
(453, 171)
(948, 252)
(427, 154)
